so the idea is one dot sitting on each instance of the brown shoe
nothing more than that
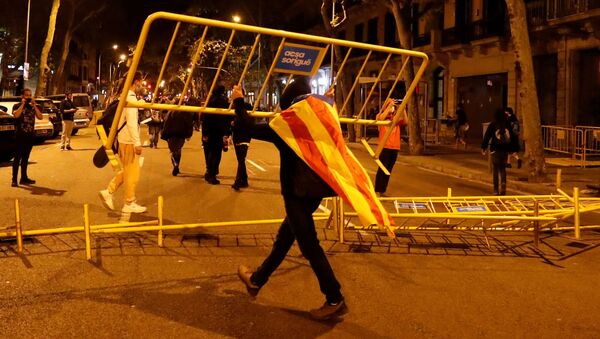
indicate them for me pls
(244, 273)
(328, 311)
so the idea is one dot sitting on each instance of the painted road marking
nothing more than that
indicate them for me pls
(256, 165)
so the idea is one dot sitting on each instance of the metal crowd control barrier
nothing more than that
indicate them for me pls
(533, 213)
(581, 143)
(357, 56)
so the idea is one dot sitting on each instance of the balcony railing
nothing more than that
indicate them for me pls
(541, 11)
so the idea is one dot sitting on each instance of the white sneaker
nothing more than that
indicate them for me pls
(106, 199)
(133, 208)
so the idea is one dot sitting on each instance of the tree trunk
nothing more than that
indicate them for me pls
(65, 50)
(342, 78)
(401, 12)
(530, 113)
(41, 85)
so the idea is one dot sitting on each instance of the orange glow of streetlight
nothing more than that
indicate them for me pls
(123, 57)
(115, 46)
(236, 18)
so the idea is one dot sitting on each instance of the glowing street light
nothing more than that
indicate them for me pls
(236, 18)
(123, 57)
(115, 46)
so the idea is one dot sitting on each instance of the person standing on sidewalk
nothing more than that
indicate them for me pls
(67, 111)
(389, 154)
(25, 117)
(216, 129)
(130, 150)
(501, 141)
(302, 191)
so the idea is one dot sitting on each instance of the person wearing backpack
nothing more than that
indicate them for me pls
(129, 149)
(501, 141)
(178, 126)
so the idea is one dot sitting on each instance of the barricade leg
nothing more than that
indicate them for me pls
(536, 225)
(86, 229)
(340, 220)
(577, 220)
(18, 227)
(160, 220)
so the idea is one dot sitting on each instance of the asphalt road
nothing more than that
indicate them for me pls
(406, 288)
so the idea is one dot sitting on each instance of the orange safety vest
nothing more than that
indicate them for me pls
(394, 141)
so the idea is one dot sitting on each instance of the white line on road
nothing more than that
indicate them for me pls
(256, 165)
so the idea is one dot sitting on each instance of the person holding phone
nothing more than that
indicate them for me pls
(67, 110)
(25, 116)
(390, 151)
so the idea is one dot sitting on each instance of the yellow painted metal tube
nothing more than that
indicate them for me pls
(165, 61)
(266, 81)
(462, 216)
(341, 69)
(216, 78)
(375, 83)
(197, 225)
(247, 65)
(160, 221)
(398, 77)
(86, 225)
(577, 220)
(193, 65)
(19, 230)
(362, 68)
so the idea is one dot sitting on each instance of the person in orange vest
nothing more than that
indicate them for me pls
(389, 154)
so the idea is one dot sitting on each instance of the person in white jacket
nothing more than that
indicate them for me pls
(130, 149)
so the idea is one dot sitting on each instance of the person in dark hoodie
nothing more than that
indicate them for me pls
(216, 129)
(502, 141)
(302, 191)
(241, 143)
(178, 126)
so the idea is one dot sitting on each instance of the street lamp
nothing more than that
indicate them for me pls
(236, 18)
(115, 46)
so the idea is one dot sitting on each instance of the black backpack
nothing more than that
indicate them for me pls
(100, 158)
(502, 136)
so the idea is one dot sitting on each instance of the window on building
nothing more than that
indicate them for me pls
(390, 31)
(372, 31)
(359, 32)
(438, 95)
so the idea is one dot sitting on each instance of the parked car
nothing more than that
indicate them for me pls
(43, 128)
(84, 109)
(7, 134)
(49, 107)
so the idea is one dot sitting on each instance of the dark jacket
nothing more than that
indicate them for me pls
(65, 105)
(239, 133)
(490, 139)
(297, 178)
(178, 124)
(216, 125)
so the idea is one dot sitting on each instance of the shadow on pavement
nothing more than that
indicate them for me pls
(39, 190)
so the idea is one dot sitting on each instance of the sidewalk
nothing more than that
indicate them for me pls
(470, 164)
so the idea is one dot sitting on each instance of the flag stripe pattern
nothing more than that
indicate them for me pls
(311, 128)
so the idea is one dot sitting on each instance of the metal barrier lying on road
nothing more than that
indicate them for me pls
(533, 213)
(292, 51)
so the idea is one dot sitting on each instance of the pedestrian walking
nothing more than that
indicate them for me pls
(501, 141)
(302, 192)
(67, 111)
(241, 144)
(461, 126)
(130, 150)
(216, 130)
(154, 127)
(178, 126)
(515, 126)
(389, 154)
(25, 116)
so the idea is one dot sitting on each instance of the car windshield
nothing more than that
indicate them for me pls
(3, 108)
(81, 101)
(48, 105)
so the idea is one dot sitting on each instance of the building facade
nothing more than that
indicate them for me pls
(472, 59)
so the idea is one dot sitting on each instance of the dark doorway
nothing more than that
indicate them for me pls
(588, 97)
(481, 96)
(545, 68)
(438, 93)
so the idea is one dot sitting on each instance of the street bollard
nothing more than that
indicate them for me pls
(558, 178)
(160, 220)
(19, 228)
(86, 229)
(577, 221)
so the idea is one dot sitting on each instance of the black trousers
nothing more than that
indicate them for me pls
(175, 146)
(299, 225)
(213, 149)
(24, 144)
(241, 150)
(388, 158)
(499, 161)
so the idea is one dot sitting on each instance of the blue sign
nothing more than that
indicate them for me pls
(299, 59)
(471, 209)
(410, 205)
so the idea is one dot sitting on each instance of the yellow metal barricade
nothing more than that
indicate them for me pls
(357, 57)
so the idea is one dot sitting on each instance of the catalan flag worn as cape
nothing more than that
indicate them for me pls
(312, 129)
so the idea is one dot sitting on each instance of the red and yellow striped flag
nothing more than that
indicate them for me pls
(312, 129)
